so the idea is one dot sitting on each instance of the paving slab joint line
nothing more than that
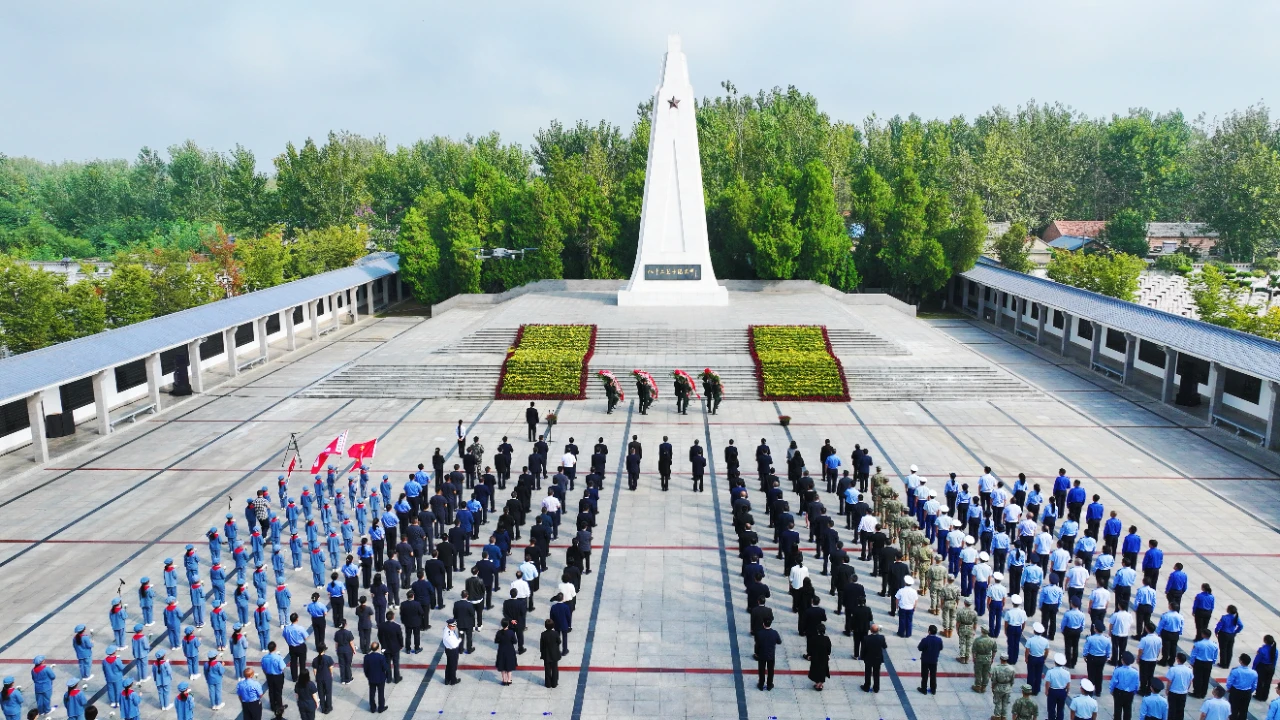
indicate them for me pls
(735, 654)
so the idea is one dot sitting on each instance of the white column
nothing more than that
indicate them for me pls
(229, 344)
(333, 309)
(1217, 381)
(368, 297)
(1020, 309)
(153, 379)
(1068, 324)
(315, 321)
(260, 326)
(35, 415)
(353, 304)
(290, 334)
(1169, 387)
(1272, 440)
(100, 402)
(1130, 353)
(1095, 349)
(1044, 313)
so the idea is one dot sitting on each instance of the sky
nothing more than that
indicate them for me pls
(89, 79)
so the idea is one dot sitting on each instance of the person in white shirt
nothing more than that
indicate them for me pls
(529, 572)
(451, 641)
(907, 598)
(569, 592)
(1121, 625)
(569, 462)
(1099, 599)
(866, 528)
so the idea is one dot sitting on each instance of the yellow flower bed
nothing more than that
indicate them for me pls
(795, 362)
(548, 362)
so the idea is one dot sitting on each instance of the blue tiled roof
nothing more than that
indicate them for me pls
(1069, 242)
(1237, 350)
(25, 374)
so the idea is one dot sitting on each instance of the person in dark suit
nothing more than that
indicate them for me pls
(465, 613)
(515, 608)
(436, 571)
(857, 622)
(731, 457)
(391, 636)
(698, 461)
(874, 648)
(549, 647)
(344, 644)
(760, 613)
(633, 469)
(767, 642)
(930, 648)
(376, 671)
(322, 668)
(413, 614)
(531, 419)
(665, 455)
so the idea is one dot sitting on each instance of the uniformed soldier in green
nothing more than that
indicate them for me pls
(950, 597)
(922, 556)
(878, 481)
(984, 651)
(611, 393)
(1024, 708)
(936, 580)
(1002, 677)
(642, 392)
(966, 624)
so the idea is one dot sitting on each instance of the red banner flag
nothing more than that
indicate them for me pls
(360, 451)
(293, 464)
(335, 447)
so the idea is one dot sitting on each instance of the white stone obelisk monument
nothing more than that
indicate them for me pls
(673, 262)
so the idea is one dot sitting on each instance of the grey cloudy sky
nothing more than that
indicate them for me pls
(86, 79)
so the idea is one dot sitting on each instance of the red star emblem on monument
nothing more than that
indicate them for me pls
(674, 102)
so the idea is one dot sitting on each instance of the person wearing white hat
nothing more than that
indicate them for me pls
(1056, 683)
(1084, 707)
(968, 557)
(997, 593)
(1014, 619)
(922, 496)
(955, 541)
(907, 598)
(912, 481)
(981, 581)
(930, 514)
(1036, 653)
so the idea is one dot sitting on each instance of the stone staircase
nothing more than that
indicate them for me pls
(845, 341)
(739, 381)
(486, 341)
(670, 341)
(410, 381)
(908, 382)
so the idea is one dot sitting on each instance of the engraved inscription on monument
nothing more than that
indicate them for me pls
(672, 272)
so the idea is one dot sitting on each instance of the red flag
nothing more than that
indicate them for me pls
(292, 465)
(360, 451)
(335, 447)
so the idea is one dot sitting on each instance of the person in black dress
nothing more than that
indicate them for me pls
(506, 641)
(306, 692)
(819, 646)
(322, 665)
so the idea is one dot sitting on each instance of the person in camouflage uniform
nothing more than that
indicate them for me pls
(877, 481)
(936, 580)
(921, 557)
(984, 651)
(892, 509)
(966, 622)
(1002, 678)
(1024, 708)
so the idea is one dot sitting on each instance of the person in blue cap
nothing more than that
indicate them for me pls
(74, 700)
(173, 621)
(162, 675)
(256, 544)
(218, 582)
(277, 564)
(230, 531)
(139, 647)
(241, 598)
(262, 623)
(274, 527)
(385, 489)
(10, 699)
(215, 545)
(317, 566)
(307, 500)
(113, 670)
(191, 563)
(284, 599)
(117, 617)
(147, 601)
(218, 620)
(197, 604)
(250, 514)
(82, 645)
(130, 700)
(240, 557)
(291, 516)
(260, 581)
(295, 549)
(282, 490)
(42, 677)
(239, 650)
(170, 578)
(191, 651)
(213, 677)
(184, 704)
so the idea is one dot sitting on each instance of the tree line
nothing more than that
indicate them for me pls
(789, 191)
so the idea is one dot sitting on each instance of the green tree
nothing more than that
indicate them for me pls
(30, 301)
(1126, 232)
(1013, 248)
(264, 259)
(83, 310)
(178, 280)
(776, 240)
(331, 248)
(872, 199)
(247, 201)
(458, 238)
(962, 243)
(904, 229)
(419, 254)
(824, 243)
(1111, 274)
(129, 294)
(1237, 185)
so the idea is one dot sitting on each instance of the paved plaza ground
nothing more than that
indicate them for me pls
(661, 626)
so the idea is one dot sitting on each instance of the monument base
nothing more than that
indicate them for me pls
(655, 295)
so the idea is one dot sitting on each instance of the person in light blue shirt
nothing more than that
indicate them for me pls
(1036, 654)
(1067, 533)
(1124, 685)
(1204, 653)
(1216, 707)
(1082, 706)
(1040, 549)
(1153, 706)
(1170, 629)
(1149, 647)
(1072, 626)
(1050, 599)
(1032, 576)
(1056, 683)
(1097, 650)
(1179, 678)
(1144, 604)
(1049, 517)
(1242, 681)
(1273, 710)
